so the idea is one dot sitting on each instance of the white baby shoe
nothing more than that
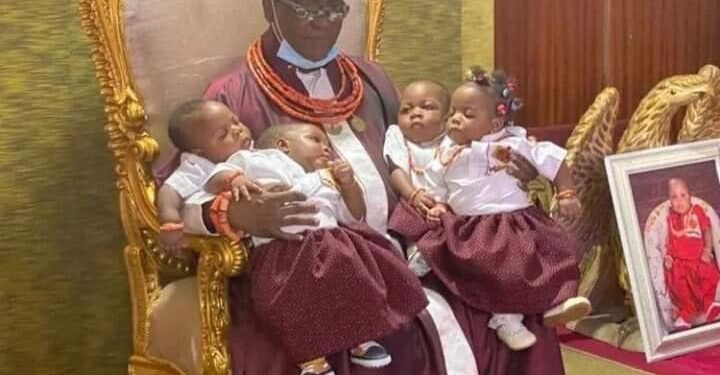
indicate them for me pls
(572, 309)
(516, 336)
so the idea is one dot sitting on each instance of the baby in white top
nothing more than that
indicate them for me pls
(410, 147)
(215, 134)
(465, 172)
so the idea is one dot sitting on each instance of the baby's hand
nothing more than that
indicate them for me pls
(434, 213)
(422, 202)
(242, 187)
(706, 256)
(342, 172)
(668, 262)
(569, 209)
(170, 239)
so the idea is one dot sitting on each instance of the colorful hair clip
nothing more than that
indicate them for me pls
(478, 75)
(515, 104)
(501, 109)
(511, 84)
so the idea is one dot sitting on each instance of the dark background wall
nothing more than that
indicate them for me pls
(565, 51)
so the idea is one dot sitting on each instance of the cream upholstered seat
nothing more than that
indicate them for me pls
(150, 56)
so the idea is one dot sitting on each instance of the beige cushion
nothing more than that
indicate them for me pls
(176, 47)
(175, 326)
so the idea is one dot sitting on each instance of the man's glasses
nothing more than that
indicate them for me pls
(332, 13)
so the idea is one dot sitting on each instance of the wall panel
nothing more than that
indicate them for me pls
(565, 51)
(653, 39)
(554, 47)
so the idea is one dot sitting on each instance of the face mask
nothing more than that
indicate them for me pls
(289, 54)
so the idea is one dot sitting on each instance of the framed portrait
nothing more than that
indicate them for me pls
(667, 202)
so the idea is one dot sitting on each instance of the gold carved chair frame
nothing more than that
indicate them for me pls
(134, 149)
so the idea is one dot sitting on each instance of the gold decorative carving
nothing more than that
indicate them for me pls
(702, 120)
(133, 149)
(375, 15)
(214, 315)
(589, 143)
(651, 124)
(143, 366)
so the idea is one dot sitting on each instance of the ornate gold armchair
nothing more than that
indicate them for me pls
(150, 56)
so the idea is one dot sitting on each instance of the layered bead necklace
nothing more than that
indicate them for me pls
(330, 111)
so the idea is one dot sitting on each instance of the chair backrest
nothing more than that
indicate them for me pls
(175, 47)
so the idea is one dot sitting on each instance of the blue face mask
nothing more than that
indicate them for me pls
(289, 54)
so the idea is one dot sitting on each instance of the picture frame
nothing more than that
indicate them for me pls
(661, 238)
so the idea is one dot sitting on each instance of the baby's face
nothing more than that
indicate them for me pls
(472, 116)
(308, 146)
(422, 112)
(217, 133)
(679, 197)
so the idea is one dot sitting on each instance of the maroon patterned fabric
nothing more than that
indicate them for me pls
(492, 356)
(254, 349)
(515, 262)
(333, 290)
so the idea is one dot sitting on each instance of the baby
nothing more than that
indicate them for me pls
(691, 273)
(492, 248)
(215, 135)
(411, 145)
(307, 292)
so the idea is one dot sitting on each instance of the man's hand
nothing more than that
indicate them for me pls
(275, 207)
(521, 168)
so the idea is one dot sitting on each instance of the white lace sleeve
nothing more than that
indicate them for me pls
(395, 149)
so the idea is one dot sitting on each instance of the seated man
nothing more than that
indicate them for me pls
(294, 73)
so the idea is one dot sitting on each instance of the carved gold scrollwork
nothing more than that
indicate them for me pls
(702, 119)
(375, 15)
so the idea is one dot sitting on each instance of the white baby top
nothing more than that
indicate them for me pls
(412, 158)
(189, 178)
(475, 176)
(273, 166)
